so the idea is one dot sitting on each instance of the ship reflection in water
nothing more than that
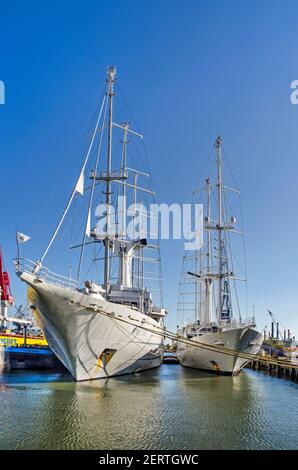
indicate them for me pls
(166, 408)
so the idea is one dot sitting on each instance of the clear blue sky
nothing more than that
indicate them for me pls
(192, 70)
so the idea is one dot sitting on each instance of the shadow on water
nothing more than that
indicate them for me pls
(170, 407)
(25, 376)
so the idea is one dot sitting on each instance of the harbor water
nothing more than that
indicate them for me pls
(167, 408)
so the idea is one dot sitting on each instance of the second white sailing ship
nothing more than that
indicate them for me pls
(222, 340)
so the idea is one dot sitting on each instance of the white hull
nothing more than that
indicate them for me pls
(245, 340)
(79, 335)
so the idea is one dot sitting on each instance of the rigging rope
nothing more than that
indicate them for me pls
(74, 190)
(176, 337)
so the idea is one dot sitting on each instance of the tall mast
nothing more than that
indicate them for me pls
(111, 77)
(124, 174)
(208, 278)
(198, 299)
(208, 186)
(218, 143)
(124, 152)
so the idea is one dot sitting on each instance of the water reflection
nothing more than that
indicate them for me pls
(169, 407)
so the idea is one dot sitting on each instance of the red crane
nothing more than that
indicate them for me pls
(5, 291)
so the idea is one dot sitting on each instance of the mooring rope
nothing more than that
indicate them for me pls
(176, 337)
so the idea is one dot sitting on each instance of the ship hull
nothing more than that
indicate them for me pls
(92, 337)
(241, 340)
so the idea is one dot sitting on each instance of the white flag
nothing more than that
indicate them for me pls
(22, 238)
(80, 184)
(88, 225)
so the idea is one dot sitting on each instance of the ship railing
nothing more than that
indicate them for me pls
(43, 273)
(235, 323)
(250, 321)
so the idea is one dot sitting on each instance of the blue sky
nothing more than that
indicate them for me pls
(191, 70)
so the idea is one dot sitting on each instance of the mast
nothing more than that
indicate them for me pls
(198, 299)
(218, 143)
(208, 184)
(208, 278)
(111, 77)
(124, 151)
(222, 275)
(124, 175)
(136, 264)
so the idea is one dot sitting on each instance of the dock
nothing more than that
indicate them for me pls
(278, 368)
(28, 358)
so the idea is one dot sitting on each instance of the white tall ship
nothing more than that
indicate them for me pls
(208, 291)
(100, 330)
